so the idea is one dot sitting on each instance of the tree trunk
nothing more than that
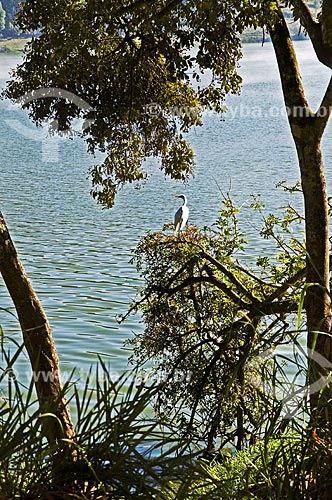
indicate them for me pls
(326, 24)
(318, 305)
(307, 129)
(38, 340)
(317, 301)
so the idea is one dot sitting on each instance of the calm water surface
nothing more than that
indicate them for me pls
(77, 255)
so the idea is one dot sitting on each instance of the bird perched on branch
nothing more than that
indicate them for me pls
(182, 215)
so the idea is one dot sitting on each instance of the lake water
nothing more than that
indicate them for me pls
(77, 255)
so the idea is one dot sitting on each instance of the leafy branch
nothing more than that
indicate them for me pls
(207, 318)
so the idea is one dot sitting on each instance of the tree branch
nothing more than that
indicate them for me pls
(315, 32)
(168, 8)
(292, 86)
(256, 308)
(264, 309)
(227, 290)
(191, 280)
(284, 287)
(256, 278)
(324, 112)
(239, 286)
(181, 270)
(267, 308)
(307, 18)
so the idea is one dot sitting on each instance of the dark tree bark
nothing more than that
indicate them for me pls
(38, 340)
(307, 129)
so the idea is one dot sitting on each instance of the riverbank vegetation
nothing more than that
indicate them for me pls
(118, 451)
(232, 414)
(212, 324)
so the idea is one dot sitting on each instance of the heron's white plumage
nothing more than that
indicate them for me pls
(181, 216)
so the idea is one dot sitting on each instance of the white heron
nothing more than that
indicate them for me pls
(181, 216)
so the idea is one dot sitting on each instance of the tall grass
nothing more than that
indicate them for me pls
(291, 460)
(293, 466)
(120, 450)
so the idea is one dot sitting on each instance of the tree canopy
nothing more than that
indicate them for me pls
(138, 65)
(2, 17)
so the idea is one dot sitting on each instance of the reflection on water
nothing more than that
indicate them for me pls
(77, 255)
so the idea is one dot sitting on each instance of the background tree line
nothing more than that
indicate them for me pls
(8, 9)
(120, 56)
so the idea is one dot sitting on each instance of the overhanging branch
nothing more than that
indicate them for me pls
(233, 279)
(314, 30)
(254, 309)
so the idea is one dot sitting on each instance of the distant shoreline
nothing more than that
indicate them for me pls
(13, 45)
(17, 45)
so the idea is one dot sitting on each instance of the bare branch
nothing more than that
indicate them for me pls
(204, 279)
(239, 286)
(134, 307)
(286, 285)
(308, 20)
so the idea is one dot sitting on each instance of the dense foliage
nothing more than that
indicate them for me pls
(122, 453)
(276, 468)
(209, 320)
(139, 68)
(119, 451)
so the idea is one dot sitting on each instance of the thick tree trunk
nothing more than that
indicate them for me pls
(307, 130)
(317, 303)
(320, 33)
(37, 339)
